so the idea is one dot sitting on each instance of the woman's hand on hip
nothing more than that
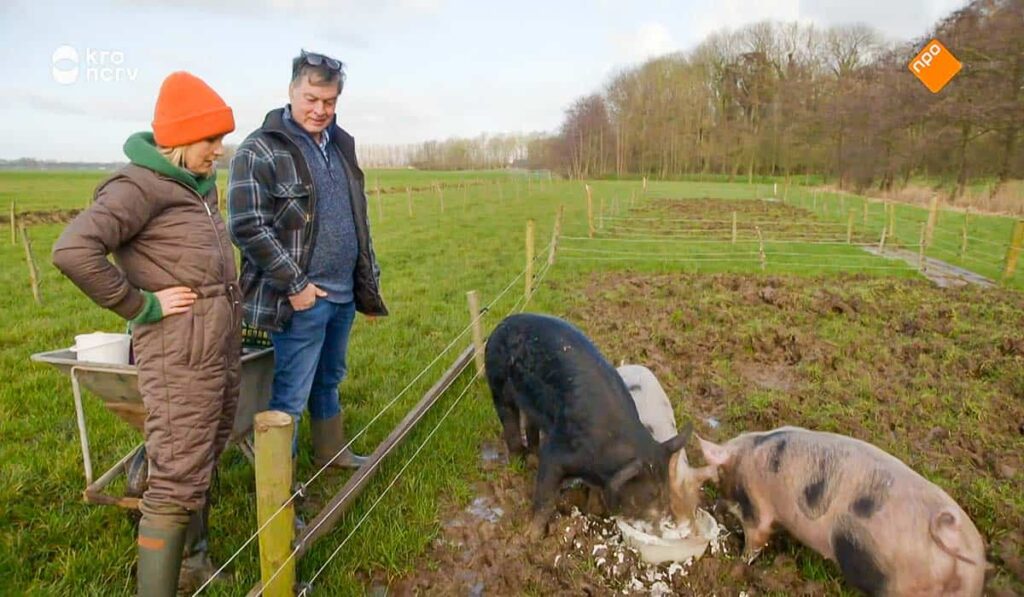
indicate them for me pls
(174, 300)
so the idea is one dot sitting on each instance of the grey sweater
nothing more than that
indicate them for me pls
(334, 252)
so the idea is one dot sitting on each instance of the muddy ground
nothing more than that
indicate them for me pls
(934, 376)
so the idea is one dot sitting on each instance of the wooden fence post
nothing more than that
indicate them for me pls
(273, 464)
(554, 235)
(921, 247)
(963, 235)
(760, 248)
(892, 219)
(933, 218)
(881, 241)
(1013, 251)
(440, 192)
(408, 199)
(33, 272)
(14, 224)
(849, 226)
(529, 258)
(590, 211)
(478, 329)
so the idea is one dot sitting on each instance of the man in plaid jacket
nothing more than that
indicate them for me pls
(298, 214)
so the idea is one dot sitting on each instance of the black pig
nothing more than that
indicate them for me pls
(547, 369)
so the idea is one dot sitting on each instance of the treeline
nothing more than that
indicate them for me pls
(790, 99)
(482, 152)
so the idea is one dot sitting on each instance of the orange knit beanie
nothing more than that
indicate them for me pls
(188, 110)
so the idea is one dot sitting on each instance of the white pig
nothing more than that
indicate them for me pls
(891, 531)
(651, 401)
(657, 416)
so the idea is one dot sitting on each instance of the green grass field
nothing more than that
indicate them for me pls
(52, 543)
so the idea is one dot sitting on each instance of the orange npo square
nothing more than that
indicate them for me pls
(935, 65)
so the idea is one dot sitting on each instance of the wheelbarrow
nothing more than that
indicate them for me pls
(117, 387)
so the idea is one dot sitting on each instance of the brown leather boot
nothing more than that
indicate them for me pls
(328, 441)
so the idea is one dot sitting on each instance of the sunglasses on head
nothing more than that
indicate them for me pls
(314, 59)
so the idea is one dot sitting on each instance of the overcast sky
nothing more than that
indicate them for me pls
(417, 69)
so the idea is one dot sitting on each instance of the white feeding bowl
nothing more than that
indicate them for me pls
(668, 542)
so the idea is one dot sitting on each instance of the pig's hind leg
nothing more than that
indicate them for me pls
(508, 414)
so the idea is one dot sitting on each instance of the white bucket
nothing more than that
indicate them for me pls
(102, 347)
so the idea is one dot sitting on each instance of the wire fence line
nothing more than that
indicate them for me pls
(709, 221)
(295, 550)
(724, 233)
(703, 234)
(666, 258)
(645, 254)
(727, 226)
(306, 589)
(721, 241)
(938, 229)
(302, 487)
(520, 304)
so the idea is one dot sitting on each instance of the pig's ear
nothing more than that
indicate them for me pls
(714, 454)
(679, 441)
(624, 474)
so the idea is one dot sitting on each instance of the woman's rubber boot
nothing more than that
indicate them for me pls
(197, 567)
(328, 441)
(161, 540)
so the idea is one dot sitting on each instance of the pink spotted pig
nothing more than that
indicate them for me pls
(891, 531)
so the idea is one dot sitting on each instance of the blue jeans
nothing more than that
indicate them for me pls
(309, 360)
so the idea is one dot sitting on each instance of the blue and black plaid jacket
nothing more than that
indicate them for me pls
(272, 211)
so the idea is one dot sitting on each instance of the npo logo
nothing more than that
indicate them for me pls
(98, 66)
(935, 65)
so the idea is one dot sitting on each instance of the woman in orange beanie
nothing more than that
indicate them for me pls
(175, 282)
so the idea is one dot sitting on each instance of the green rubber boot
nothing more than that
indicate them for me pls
(196, 565)
(161, 541)
(328, 441)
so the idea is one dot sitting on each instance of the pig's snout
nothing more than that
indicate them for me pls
(685, 483)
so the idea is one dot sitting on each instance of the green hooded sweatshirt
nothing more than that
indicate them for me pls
(142, 151)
